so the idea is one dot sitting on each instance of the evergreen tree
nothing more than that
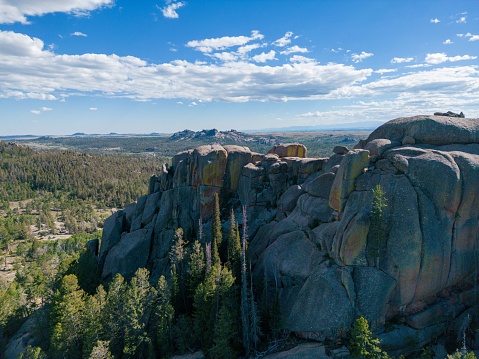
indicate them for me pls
(196, 269)
(93, 332)
(163, 318)
(217, 232)
(234, 246)
(363, 345)
(113, 315)
(224, 335)
(137, 302)
(377, 229)
(67, 316)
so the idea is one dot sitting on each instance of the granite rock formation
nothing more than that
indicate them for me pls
(311, 229)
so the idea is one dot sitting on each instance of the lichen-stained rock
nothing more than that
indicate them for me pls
(351, 167)
(129, 254)
(209, 165)
(238, 157)
(289, 150)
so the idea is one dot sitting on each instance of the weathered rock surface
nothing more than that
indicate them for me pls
(302, 351)
(311, 234)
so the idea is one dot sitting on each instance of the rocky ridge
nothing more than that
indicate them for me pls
(310, 226)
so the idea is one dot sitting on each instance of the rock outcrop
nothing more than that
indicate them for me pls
(311, 232)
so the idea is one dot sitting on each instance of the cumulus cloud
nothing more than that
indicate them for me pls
(221, 43)
(435, 21)
(448, 42)
(301, 59)
(169, 11)
(472, 37)
(225, 56)
(31, 71)
(294, 49)
(440, 57)
(360, 57)
(385, 71)
(461, 20)
(28, 71)
(35, 112)
(263, 57)
(47, 109)
(93, 108)
(401, 60)
(284, 41)
(12, 11)
(78, 33)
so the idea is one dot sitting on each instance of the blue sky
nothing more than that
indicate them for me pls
(100, 66)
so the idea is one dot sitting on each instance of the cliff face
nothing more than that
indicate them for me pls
(311, 233)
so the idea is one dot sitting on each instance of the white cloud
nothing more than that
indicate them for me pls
(263, 57)
(47, 109)
(35, 112)
(440, 57)
(193, 104)
(31, 71)
(12, 11)
(285, 40)
(360, 57)
(385, 71)
(460, 35)
(93, 108)
(301, 59)
(401, 60)
(28, 71)
(462, 20)
(221, 43)
(474, 38)
(448, 42)
(225, 56)
(294, 49)
(435, 21)
(78, 33)
(169, 11)
(247, 48)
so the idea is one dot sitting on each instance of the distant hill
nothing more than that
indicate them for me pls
(215, 135)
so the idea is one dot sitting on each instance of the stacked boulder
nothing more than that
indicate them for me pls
(311, 229)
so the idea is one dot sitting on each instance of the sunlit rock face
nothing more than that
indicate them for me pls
(311, 232)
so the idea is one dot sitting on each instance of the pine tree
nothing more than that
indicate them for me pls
(196, 270)
(113, 315)
(234, 246)
(67, 316)
(224, 335)
(377, 221)
(363, 345)
(137, 303)
(163, 318)
(217, 232)
(92, 323)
